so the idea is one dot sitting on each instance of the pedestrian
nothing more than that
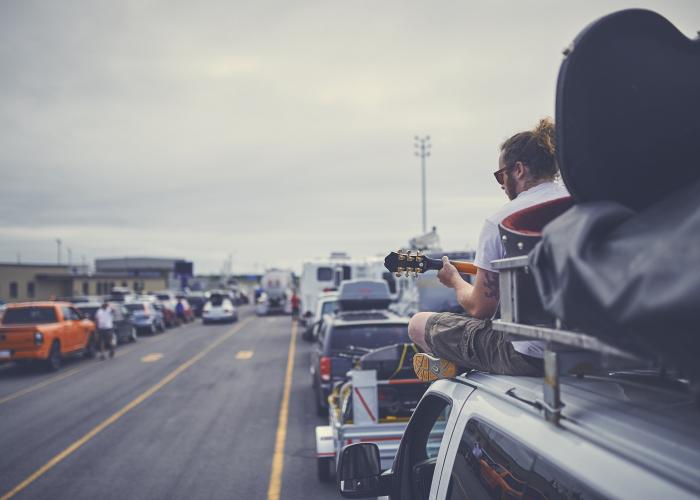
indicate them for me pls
(180, 311)
(296, 302)
(526, 172)
(105, 329)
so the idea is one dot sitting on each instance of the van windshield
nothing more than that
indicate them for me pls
(329, 307)
(29, 315)
(368, 336)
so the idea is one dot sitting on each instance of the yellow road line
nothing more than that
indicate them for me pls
(39, 385)
(244, 354)
(116, 416)
(61, 376)
(273, 490)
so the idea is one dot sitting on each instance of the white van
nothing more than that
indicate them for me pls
(324, 275)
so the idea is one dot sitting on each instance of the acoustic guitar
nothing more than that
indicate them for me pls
(404, 263)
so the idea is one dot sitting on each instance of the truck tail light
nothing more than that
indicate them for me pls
(325, 368)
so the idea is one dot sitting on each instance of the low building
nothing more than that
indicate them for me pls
(28, 282)
(172, 270)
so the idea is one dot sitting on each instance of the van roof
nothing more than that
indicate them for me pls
(379, 317)
(643, 419)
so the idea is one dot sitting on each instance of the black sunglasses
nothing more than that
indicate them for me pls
(498, 174)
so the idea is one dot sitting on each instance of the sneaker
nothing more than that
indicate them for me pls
(429, 368)
(111, 354)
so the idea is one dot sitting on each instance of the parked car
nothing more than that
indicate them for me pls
(124, 329)
(187, 311)
(146, 316)
(196, 301)
(168, 301)
(219, 308)
(45, 332)
(622, 435)
(347, 335)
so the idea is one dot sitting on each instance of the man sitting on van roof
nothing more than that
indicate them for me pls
(527, 170)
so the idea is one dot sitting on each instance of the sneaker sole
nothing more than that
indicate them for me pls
(429, 369)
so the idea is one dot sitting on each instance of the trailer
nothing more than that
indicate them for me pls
(365, 408)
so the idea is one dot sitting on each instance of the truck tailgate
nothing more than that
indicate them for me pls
(17, 338)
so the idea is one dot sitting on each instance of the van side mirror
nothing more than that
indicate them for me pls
(360, 470)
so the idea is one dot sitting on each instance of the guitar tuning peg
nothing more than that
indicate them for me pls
(398, 275)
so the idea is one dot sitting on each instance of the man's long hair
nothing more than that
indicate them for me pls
(535, 149)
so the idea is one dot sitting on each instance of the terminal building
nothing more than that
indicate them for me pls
(27, 282)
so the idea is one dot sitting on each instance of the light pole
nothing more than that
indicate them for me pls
(58, 251)
(422, 145)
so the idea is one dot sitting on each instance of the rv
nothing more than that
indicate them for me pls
(276, 293)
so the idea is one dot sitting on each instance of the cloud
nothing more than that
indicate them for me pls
(275, 130)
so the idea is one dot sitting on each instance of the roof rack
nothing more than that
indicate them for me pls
(511, 271)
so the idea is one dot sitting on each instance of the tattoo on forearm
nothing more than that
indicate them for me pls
(491, 283)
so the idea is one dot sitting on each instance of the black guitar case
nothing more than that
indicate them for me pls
(624, 262)
(627, 110)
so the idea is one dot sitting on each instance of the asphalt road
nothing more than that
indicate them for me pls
(190, 413)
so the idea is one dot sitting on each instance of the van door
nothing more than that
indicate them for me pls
(421, 456)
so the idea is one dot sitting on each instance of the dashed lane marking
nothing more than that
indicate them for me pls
(116, 416)
(275, 486)
(150, 358)
(244, 354)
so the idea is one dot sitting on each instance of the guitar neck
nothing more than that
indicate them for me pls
(462, 266)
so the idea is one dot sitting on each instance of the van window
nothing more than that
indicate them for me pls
(329, 307)
(417, 456)
(324, 274)
(490, 465)
(347, 273)
(550, 482)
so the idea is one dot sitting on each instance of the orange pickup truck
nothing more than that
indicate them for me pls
(45, 331)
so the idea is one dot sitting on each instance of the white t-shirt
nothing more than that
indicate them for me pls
(491, 248)
(104, 320)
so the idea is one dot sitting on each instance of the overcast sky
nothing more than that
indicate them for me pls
(275, 131)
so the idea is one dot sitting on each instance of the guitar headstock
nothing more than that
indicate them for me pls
(404, 263)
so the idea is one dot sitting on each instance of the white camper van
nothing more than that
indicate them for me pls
(323, 275)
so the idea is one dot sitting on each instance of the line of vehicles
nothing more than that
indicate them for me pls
(621, 430)
(361, 371)
(49, 331)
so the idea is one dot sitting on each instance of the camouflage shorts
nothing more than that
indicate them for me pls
(472, 343)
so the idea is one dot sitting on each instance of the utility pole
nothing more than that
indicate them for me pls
(58, 251)
(70, 256)
(422, 150)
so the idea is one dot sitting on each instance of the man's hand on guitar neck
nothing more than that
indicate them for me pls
(449, 276)
(479, 300)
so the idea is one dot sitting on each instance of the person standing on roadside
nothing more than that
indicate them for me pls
(180, 311)
(296, 302)
(105, 329)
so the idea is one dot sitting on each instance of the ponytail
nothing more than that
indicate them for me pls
(535, 148)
